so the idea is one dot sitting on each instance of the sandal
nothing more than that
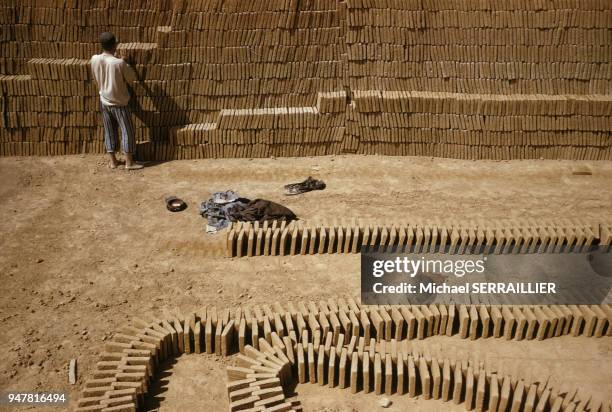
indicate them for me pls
(303, 187)
(174, 204)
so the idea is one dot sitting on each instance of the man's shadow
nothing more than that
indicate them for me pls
(166, 116)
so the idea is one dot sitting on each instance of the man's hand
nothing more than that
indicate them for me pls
(129, 60)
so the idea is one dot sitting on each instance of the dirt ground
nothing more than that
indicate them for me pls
(84, 248)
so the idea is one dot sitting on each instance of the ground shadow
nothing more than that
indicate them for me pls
(159, 386)
(166, 116)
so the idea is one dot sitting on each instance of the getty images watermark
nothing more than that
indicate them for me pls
(530, 278)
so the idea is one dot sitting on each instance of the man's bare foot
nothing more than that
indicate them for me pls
(133, 166)
(112, 165)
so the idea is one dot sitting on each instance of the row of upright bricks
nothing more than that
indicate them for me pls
(340, 343)
(298, 237)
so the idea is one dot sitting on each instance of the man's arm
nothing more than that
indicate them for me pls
(129, 74)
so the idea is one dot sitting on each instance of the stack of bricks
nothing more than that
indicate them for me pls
(514, 236)
(481, 80)
(483, 126)
(50, 103)
(338, 343)
(474, 80)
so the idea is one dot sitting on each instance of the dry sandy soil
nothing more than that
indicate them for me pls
(84, 248)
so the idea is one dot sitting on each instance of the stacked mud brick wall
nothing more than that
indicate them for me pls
(465, 79)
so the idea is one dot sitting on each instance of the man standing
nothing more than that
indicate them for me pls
(112, 75)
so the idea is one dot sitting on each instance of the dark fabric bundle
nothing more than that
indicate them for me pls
(260, 210)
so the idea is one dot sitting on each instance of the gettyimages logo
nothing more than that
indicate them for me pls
(413, 267)
(555, 278)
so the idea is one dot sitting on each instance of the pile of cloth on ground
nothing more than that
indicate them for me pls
(225, 207)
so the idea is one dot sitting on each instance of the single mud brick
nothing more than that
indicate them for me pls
(242, 393)
(497, 318)
(343, 370)
(365, 369)
(400, 375)
(345, 322)
(436, 379)
(197, 337)
(312, 370)
(543, 323)
(493, 400)
(244, 361)
(378, 377)
(505, 393)
(443, 310)
(311, 240)
(288, 348)
(532, 322)
(354, 373)
(509, 321)
(435, 311)
(421, 322)
(530, 400)
(173, 336)
(303, 233)
(412, 377)
(301, 363)
(556, 405)
(254, 335)
(237, 373)
(601, 321)
(388, 385)
(481, 391)
(267, 245)
(521, 323)
(464, 322)
(355, 328)
(322, 240)
(121, 408)
(410, 320)
(577, 320)
(473, 322)
(324, 323)
(429, 316)
(280, 407)
(425, 378)
(590, 319)
(544, 399)
(227, 338)
(446, 380)
(553, 319)
(485, 320)
(305, 336)
(217, 337)
(372, 349)
(269, 402)
(457, 385)
(321, 366)
(331, 240)
(265, 383)
(267, 329)
(266, 393)
(560, 315)
(365, 324)
(331, 368)
(378, 323)
(450, 325)
(517, 397)
(243, 404)
(242, 335)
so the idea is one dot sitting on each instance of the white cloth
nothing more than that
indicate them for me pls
(112, 75)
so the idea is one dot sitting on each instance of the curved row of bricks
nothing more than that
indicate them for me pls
(130, 358)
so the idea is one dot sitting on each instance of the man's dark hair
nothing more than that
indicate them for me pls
(108, 41)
